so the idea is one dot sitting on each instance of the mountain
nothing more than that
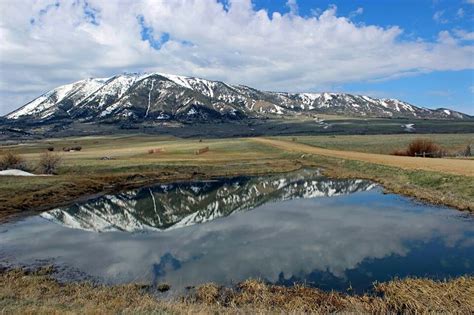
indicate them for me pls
(170, 206)
(165, 97)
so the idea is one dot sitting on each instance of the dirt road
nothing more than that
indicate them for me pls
(451, 166)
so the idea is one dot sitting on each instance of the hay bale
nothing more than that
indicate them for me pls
(156, 150)
(201, 151)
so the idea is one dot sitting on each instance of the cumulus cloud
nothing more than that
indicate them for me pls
(47, 43)
(464, 35)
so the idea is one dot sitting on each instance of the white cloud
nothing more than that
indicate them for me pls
(463, 35)
(357, 12)
(293, 5)
(44, 45)
(438, 16)
(460, 13)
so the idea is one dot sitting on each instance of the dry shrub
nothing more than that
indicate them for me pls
(418, 147)
(49, 163)
(11, 160)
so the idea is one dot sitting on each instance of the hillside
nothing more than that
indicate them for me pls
(157, 97)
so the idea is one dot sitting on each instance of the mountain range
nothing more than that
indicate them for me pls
(159, 97)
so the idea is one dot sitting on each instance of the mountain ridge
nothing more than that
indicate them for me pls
(166, 97)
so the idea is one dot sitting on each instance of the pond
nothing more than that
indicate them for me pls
(289, 228)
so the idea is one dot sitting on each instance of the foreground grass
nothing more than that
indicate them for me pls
(36, 292)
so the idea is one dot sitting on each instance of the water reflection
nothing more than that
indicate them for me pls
(290, 235)
(176, 205)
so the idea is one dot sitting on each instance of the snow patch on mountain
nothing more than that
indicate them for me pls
(130, 95)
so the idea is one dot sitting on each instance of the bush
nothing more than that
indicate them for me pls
(12, 161)
(424, 147)
(49, 163)
(50, 149)
(421, 147)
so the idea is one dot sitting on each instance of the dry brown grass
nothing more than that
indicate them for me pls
(410, 296)
(37, 293)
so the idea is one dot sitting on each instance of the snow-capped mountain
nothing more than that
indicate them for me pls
(161, 97)
(182, 204)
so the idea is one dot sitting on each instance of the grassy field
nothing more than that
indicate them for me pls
(85, 173)
(384, 144)
(130, 153)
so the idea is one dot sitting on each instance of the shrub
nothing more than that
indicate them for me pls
(50, 149)
(424, 147)
(469, 150)
(12, 161)
(49, 163)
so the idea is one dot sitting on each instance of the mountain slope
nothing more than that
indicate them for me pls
(161, 97)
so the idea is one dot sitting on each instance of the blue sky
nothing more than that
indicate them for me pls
(420, 51)
(419, 19)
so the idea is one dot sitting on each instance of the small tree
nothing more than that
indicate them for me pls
(49, 163)
(11, 160)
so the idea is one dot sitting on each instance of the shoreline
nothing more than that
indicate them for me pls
(81, 189)
(36, 291)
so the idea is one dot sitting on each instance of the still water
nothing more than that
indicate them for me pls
(296, 227)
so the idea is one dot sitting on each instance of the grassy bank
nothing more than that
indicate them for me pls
(36, 292)
(129, 165)
(432, 187)
(384, 144)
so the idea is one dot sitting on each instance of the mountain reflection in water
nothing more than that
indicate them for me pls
(176, 205)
